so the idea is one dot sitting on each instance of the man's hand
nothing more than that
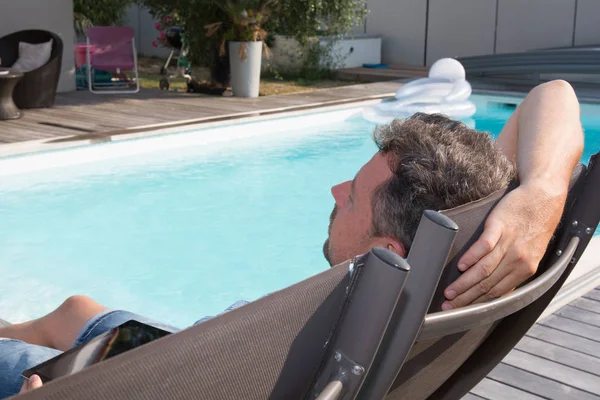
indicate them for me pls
(34, 382)
(514, 240)
(544, 139)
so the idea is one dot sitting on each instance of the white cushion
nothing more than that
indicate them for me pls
(32, 56)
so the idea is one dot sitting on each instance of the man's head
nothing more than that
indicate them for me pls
(427, 161)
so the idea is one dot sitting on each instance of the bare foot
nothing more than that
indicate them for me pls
(34, 382)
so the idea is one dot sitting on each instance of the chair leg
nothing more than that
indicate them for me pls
(88, 58)
(135, 66)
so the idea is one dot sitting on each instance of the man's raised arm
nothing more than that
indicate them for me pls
(544, 138)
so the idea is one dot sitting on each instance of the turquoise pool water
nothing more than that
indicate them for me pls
(180, 234)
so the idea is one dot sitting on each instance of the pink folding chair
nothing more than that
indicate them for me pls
(113, 51)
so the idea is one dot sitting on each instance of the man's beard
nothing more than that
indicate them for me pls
(326, 248)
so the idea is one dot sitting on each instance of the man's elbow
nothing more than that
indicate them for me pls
(559, 86)
(561, 91)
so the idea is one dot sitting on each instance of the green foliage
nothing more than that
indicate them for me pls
(194, 15)
(319, 59)
(314, 59)
(300, 19)
(245, 20)
(81, 22)
(304, 19)
(244, 23)
(99, 12)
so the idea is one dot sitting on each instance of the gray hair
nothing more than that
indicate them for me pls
(437, 163)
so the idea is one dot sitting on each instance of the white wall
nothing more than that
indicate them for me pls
(51, 15)
(534, 24)
(587, 25)
(401, 24)
(460, 28)
(358, 50)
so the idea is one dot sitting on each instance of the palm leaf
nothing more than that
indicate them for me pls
(243, 53)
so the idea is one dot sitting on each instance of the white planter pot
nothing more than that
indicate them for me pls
(245, 74)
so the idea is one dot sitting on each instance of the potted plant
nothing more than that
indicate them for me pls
(242, 35)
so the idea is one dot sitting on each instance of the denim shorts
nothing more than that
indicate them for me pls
(17, 356)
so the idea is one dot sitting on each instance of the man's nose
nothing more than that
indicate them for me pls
(340, 192)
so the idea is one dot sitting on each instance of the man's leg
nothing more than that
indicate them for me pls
(78, 320)
(60, 328)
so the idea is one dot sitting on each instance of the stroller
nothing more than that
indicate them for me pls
(176, 41)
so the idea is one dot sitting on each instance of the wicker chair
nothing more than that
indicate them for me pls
(37, 89)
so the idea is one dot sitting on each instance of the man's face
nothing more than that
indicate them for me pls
(351, 219)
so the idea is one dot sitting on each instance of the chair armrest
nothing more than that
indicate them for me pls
(448, 322)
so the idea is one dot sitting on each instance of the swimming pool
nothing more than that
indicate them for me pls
(179, 226)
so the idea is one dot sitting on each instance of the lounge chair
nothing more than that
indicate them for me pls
(37, 88)
(111, 49)
(369, 328)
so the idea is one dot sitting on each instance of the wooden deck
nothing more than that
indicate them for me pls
(559, 358)
(84, 113)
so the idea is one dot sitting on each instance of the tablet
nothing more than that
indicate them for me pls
(125, 337)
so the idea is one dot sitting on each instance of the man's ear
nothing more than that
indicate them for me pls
(396, 247)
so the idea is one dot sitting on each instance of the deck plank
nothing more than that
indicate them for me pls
(560, 355)
(580, 314)
(575, 327)
(593, 295)
(587, 304)
(534, 383)
(565, 340)
(493, 390)
(560, 373)
(471, 396)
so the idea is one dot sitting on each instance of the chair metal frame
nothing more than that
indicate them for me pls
(91, 73)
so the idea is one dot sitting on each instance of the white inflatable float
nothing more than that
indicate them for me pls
(445, 91)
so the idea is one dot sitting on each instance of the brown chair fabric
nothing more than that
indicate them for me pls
(270, 348)
(424, 372)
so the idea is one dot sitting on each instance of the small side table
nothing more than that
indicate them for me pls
(8, 109)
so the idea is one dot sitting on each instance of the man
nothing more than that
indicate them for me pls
(427, 161)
